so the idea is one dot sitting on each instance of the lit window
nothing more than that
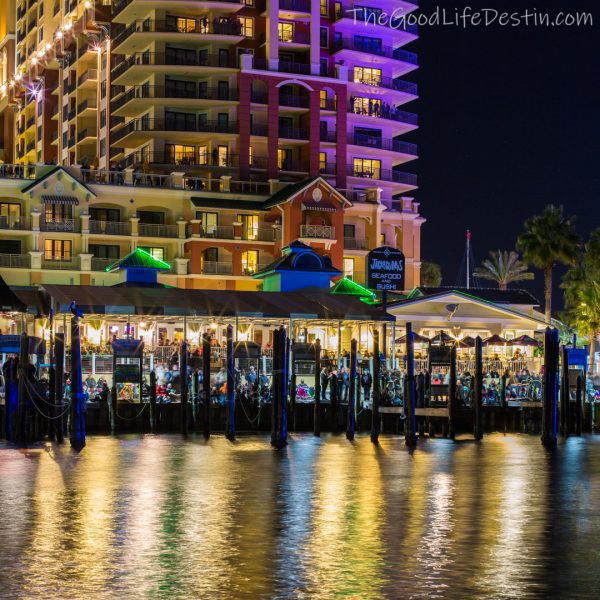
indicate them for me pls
(202, 155)
(250, 261)
(223, 156)
(186, 25)
(57, 249)
(210, 222)
(155, 253)
(180, 154)
(322, 161)
(366, 106)
(248, 2)
(367, 167)
(249, 226)
(247, 24)
(367, 75)
(382, 239)
(250, 156)
(286, 31)
(324, 7)
(349, 268)
(284, 158)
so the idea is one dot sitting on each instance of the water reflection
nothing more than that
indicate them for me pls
(158, 517)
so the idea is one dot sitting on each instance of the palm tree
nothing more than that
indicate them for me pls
(549, 238)
(581, 286)
(431, 274)
(503, 267)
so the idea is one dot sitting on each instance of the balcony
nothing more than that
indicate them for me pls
(154, 230)
(86, 105)
(110, 227)
(295, 6)
(355, 244)
(377, 49)
(293, 133)
(389, 83)
(91, 75)
(262, 234)
(169, 125)
(176, 58)
(202, 28)
(191, 92)
(391, 175)
(14, 222)
(8, 171)
(373, 141)
(219, 232)
(61, 263)
(15, 261)
(101, 264)
(294, 37)
(384, 111)
(121, 5)
(325, 232)
(210, 267)
(62, 225)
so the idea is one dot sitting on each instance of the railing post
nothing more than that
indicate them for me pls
(22, 437)
(351, 418)
(59, 377)
(578, 405)
(550, 388)
(293, 388)
(410, 432)
(565, 425)
(230, 431)
(275, 387)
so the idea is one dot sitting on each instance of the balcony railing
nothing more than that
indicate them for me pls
(192, 91)
(63, 225)
(118, 6)
(383, 175)
(192, 125)
(384, 111)
(201, 27)
(373, 141)
(355, 244)
(101, 264)
(377, 49)
(224, 232)
(262, 234)
(317, 231)
(85, 105)
(17, 171)
(295, 5)
(398, 85)
(217, 268)
(154, 230)
(14, 222)
(294, 37)
(191, 58)
(60, 263)
(15, 261)
(110, 227)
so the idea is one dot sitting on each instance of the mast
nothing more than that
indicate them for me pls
(468, 259)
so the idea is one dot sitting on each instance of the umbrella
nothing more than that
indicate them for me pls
(495, 340)
(442, 338)
(419, 339)
(467, 342)
(524, 340)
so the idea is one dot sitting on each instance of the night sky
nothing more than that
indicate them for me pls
(509, 121)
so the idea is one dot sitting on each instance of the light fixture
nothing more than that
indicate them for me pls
(88, 4)
(34, 61)
(59, 34)
(214, 325)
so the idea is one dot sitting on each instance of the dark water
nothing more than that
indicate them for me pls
(155, 517)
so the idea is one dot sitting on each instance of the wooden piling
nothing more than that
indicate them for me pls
(317, 415)
(275, 387)
(565, 425)
(550, 388)
(452, 399)
(578, 405)
(77, 431)
(478, 396)
(21, 430)
(410, 427)
(293, 387)
(351, 416)
(375, 416)
(420, 401)
(281, 433)
(184, 395)
(152, 401)
(206, 385)
(335, 402)
(230, 428)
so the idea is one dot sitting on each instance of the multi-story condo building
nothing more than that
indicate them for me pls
(233, 100)
(7, 68)
(59, 225)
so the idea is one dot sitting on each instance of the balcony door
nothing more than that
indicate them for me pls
(249, 226)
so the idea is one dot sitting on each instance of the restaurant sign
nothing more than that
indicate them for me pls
(385, 269)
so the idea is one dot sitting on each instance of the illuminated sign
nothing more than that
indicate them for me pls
(385, 269)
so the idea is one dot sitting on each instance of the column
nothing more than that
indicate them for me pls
(272, 35)
(314, 131)
(272, 129)
(342, 130)
(244, 114)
